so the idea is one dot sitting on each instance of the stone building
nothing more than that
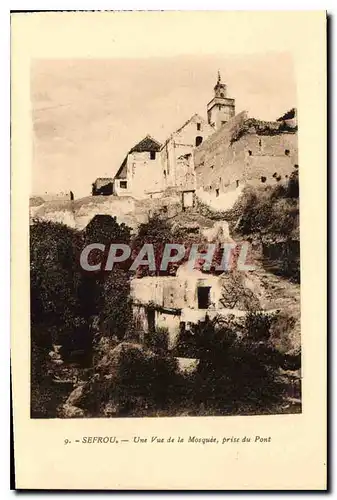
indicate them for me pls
(177, 153)
(221, 108)
(60, 196)
(102, 186)
(141, 170)
(246, 150)
(177, 302)
(150, 168)
(211, 157)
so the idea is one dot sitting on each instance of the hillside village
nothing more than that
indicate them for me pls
(205, 181)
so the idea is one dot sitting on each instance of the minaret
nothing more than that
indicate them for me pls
(221, 108)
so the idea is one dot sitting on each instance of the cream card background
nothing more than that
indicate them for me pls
(296, 456)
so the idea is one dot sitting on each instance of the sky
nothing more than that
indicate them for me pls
(87, 113)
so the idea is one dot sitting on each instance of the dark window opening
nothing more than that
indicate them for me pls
(286, 152)
(250, 152)
(123, 184)
(295, 166)
(204, 297)
(278, 178)
(260, 142)
(237, 183)
(151, 321)
(223, 122)
(263, 178)
(71, 196)
(193, 230)
(198, 126)
(275, 174)
(217, 192)
(198, 140)
(164, 173)
(222, 94)
(212, 166)
(152, 155)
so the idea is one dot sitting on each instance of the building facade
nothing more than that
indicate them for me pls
(221, 108)
(246, 150)
(141, 170)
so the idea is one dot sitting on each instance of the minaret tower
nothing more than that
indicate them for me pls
(221, 108)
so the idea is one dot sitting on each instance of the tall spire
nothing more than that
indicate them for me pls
(219, 77)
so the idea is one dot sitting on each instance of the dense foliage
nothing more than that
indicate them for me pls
(68, 305)
(271, 215)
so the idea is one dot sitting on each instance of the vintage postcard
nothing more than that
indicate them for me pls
(169, 243)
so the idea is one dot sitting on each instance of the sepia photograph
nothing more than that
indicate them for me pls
(168, 250)
(165, 237)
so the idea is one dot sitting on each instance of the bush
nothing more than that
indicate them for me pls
(158, 341)
(133, 380)
(238, 374)
(258, 325)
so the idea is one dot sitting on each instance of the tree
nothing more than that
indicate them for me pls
(110, 290)
(54, 275)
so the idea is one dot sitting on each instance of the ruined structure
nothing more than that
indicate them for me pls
(60, 196)
(102, 186)
(246, 151)
(150, 168)
(177, 153)
(177, 302)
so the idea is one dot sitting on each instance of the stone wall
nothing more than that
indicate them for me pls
(177, 153)
(143, 175)
(132, 212)
(228, 160)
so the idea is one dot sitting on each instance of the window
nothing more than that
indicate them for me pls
(286, 152)
(212, 166)
(198, 126)
(123, 184)
(152, 155)
(250, 152)
(164, 173)
(217, 192)
(295, 166)
(198, 140)
(237, 183)
(223, 123)
(203, 297)
(222, 94)
(263, 178)
(151, 320)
